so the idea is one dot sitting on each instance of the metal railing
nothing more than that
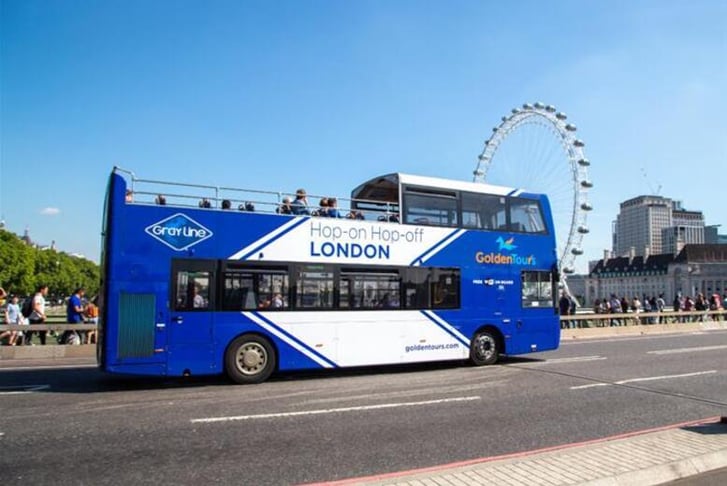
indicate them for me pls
(177, 194)
(590, 320)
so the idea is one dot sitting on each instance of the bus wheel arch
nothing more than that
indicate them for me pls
(250, 358)
(486, 346)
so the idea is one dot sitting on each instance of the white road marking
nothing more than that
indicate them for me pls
(333, 410)
(688, 350)
(20, 389)
(649, 378)
(575, 359)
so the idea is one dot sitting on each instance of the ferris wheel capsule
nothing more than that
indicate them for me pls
(583, 230)
(584, 162)
(478, 172)
(577, 251)
(570, 127)
(538, 105)
(550, 109)
(586, 206)
(561, 116)
(586, 183)
(568, 270)
(515, 111)
(579, 143)
(527, 106)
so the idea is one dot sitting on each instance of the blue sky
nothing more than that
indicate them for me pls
(327, 94)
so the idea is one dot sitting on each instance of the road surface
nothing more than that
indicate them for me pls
(74, 424)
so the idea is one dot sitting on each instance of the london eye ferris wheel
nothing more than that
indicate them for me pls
(536, 148)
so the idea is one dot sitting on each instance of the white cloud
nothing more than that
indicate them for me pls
(50, 211)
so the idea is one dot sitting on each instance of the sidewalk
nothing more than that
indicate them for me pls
(652, 457)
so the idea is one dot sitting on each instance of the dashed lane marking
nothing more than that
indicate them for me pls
(648, 378)
(333, 410)
(21, 389)
(574, 359)
(688, 350)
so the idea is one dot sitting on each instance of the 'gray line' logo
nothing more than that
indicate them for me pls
(178, 232)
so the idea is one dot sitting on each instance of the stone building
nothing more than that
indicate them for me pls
(696, 268)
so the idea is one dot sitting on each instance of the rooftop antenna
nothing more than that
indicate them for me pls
(651, 188)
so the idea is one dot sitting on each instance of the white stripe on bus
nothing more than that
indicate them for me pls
(447, 326)
(264, 239)
(439, 247)
(288, 340)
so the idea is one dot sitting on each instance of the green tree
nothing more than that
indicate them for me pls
(17, 264)
(23, 268)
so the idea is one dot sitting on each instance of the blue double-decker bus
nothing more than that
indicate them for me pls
(204, 280)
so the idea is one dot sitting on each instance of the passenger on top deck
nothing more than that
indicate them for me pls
(300, 205)
(333, 211)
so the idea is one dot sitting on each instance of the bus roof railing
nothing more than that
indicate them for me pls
(180, 194)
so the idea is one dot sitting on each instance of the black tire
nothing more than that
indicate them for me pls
(484, 349)
(250, 359)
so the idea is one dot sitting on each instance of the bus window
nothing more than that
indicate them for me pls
(256, 289)
(537, 289)
(369, 290)
(432, 209)
(191, 291)
(483, 211)
(314, 287)
(415, 284)
(526, 216)
(445, 289)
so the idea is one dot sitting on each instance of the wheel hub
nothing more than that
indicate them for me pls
(251, 359)
(485, 346)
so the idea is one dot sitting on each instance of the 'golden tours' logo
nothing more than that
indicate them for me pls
(501, 258)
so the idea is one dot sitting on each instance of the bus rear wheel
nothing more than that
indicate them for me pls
(484, 349)
(250, 359)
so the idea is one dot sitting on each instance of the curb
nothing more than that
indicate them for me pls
(559, 463)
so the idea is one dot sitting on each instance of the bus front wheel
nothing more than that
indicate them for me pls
(484, 349)
(250, 359)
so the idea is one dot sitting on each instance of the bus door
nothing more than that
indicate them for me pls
(189, 328)
(541, 327)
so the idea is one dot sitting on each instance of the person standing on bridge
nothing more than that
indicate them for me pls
(15, 317)
(37, 316)
(74, 315)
